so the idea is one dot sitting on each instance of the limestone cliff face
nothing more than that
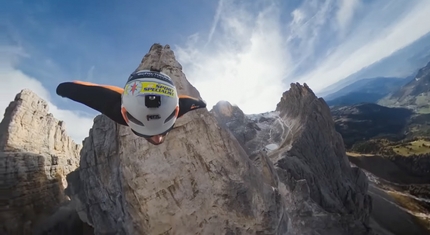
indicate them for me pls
(309, 157)
(254, 132)
(35, 156)
(314, 152)
(202, 181)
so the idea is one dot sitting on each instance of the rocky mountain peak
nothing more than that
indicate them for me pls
(310, 156)
(225, 108)
(317, 149)
(300, 103)
(199, 182)
(294, 98)
(226, 111)
(28, 126)
(36, 154)
(254, 132)
(163, 58)
(211, 177)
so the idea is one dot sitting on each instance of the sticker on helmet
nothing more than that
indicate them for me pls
(133, 88)
(139, 88)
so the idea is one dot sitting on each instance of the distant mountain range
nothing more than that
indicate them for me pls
(412, 92)
(414, 95)
(385, 126)
(403, 63)
(366, 90)
(393, 109)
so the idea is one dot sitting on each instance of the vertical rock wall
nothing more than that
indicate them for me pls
(35, 156)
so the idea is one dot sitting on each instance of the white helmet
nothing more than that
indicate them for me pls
(150, 103)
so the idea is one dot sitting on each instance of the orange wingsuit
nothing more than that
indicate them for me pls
(107, 100)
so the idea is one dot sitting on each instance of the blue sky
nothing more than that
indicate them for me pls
(258, 47)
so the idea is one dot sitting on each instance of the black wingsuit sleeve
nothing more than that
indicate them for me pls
(103, 98)
(188, 103)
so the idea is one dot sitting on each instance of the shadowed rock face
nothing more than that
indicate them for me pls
(310, 160)
(314, 152)
(35, 156)
(203, 180)
(254, 132)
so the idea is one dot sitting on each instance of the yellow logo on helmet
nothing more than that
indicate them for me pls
(138, 88)
(157, 88)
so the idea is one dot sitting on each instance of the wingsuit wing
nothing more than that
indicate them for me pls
(107, 99)
(188, 103)
(104, 98)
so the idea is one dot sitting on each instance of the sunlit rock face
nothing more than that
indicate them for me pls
(36, 154)
(205, 179)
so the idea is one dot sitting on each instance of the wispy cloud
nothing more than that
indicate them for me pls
(216, 20)
(90, 74)
(374, 39)
(346, 12)
(255, 50)
(243, 62)
(13, 81)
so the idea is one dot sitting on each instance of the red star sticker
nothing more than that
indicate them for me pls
(133, 88)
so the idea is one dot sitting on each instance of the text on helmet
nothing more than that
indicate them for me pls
(139, 88)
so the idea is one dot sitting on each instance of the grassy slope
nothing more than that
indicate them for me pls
(419, 146)
(416, 146)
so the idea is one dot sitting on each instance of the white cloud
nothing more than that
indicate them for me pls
(346, 12)
(216, 20)
(366, 48)
(253, 53)
(243, 63)
(12, 81)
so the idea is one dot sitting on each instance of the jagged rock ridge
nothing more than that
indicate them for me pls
(311, 162)
(254, 132)
(202, 181)
(317, 154)
(199, 182)
(35, 156)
